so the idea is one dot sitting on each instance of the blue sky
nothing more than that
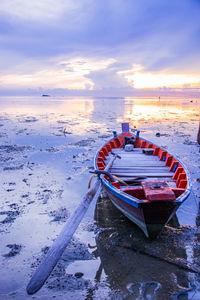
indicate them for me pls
(102, 44)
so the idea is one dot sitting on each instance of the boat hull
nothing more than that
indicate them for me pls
(150, 184)
(149, 217)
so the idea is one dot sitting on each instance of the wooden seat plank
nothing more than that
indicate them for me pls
(143, 174)
(120, 168)
(140, 169)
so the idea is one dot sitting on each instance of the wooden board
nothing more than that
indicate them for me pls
(128, 169)
(135, 151)
(138, 180)
(131, 155)
(142, 174)
(139, 159)
(137, 164)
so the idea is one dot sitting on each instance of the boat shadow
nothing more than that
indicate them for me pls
(138, 267)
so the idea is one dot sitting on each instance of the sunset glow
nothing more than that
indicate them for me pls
(139, 79)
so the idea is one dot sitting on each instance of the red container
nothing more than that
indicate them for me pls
(158, 191)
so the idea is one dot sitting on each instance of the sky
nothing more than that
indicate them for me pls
(99, 45)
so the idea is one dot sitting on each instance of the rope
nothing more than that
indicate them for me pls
(120, 180)
(90, 180)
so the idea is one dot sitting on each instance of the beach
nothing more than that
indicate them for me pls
(47, 146)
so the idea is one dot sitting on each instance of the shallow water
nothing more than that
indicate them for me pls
(46, 153)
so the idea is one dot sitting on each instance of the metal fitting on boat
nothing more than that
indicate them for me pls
(128, 147)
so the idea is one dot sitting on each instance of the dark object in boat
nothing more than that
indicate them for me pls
(129, 140)
(151, 202)
(45, 95)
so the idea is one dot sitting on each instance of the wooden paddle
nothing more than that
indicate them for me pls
(54, 253)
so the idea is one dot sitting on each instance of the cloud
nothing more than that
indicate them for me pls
(37, 36)
(107, 79)
(58, 73)
(38, 10)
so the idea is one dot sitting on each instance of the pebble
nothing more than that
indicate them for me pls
(79, 274)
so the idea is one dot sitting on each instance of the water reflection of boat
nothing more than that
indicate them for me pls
(138, 276)
(147, 184)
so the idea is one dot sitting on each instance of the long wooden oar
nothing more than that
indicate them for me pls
(54, 253)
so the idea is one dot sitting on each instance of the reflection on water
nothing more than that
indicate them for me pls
(161, 110)
(144, 269)
(139, 108)
(38, 105)
(47, 149)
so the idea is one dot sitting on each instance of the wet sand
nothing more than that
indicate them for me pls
(46, 152)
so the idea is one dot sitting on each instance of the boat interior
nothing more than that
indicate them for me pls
(144, 170)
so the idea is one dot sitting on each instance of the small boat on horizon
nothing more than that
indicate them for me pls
(146, 183)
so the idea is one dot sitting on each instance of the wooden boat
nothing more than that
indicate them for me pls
(147, 184)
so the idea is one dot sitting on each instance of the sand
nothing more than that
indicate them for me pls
(46, 152)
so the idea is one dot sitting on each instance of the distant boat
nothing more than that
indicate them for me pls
(45, 95)
(147, 184)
